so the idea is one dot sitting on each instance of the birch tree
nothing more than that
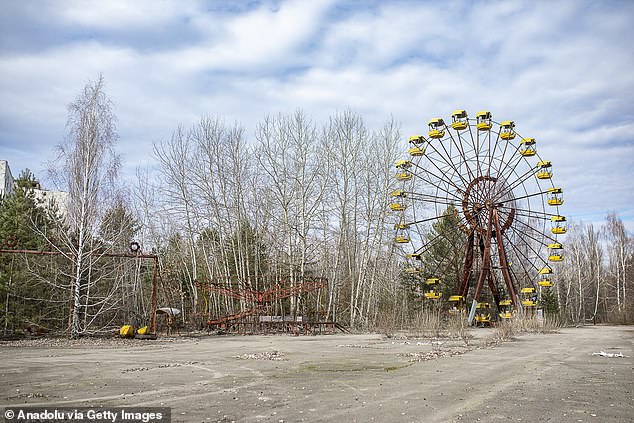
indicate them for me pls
(86, 167)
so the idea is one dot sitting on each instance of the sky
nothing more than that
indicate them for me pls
(562, 70)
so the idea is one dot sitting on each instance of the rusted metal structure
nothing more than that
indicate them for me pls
(255, 319)
(11, 242)
(473, 184)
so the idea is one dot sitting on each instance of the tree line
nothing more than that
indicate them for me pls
(219, 206)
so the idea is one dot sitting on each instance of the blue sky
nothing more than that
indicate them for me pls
(562, 70)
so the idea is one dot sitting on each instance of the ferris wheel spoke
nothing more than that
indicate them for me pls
(463, 156)
(429, 219)
(539, 241)
(437, 186)
(500, 203)
(518, 182)
(425, 246)
(525, 257)
(529, 213)
(447, 160)
(436, 199)
(515, 164)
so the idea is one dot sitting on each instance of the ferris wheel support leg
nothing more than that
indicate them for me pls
(494, 290)
(503, 262)
(486, 265)
(468, 266)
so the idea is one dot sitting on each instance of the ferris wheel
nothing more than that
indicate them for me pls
(478, 217)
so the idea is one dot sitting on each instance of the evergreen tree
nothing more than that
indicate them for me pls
(444, 257)
(26, 295)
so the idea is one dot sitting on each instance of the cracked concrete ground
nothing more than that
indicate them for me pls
(342, 378)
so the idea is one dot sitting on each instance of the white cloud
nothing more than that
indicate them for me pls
(558, 71)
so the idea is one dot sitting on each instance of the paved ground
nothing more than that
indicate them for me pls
(342, 378)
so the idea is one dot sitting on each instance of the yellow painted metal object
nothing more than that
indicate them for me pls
(555, 196)
(396, 197)
(507, 130)
(403, 164)
(414, 256)
(402, 233)
(506, 315)
(432, 295)
(506, 302)
(555, 252)
(459, 120)
(558, 225)
(483, 318)
(545, 170)
(528, 290)
(432, 281)
(455, 311)
(529, 303)
(142, 331)
(126, 331)
(483, 120)
(546, 283)
(456, 298)
(436, 128)
(545, 271)
(417, 151)
(483, 305)
(404, 176)
(527, 147)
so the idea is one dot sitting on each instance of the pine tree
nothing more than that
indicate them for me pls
(26, 298)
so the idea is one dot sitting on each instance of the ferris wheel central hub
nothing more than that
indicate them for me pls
(479, 200)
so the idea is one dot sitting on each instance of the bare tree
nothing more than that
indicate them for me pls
(619, 252)
(86, 166)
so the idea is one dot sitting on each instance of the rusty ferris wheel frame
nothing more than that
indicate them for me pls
(502, 196)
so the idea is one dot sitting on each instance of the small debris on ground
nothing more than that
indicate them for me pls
(268, 355)
(415, 357)
(610, 355)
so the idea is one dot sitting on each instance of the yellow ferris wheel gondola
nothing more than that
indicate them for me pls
(527, 147)
(432, 295)
(555, 196)
(396, 200)
(483, 120)
(555, 252)
(417, 148)
(530, 299)
(558, 225)
(545, 169)
(507, 130)
(403, 173)
(436, 128)
(402, 233)
(459, 120)
(545, 274)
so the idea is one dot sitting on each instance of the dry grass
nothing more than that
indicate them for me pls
(506, 330)
(428, 324)
(457, 327)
